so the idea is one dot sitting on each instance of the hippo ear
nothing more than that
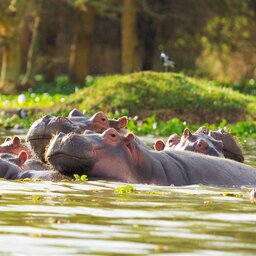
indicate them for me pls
(159, 145)
(129, 137)
(122, 122)
(75, 112)
(8, 139)
(16, 141)
(23, 156)
(186, 133)
(174, 139)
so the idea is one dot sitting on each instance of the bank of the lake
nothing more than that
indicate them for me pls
(156, 102)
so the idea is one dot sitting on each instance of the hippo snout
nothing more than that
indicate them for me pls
(46, 118)
(70, 153)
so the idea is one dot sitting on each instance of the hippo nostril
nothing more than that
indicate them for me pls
(60, 135)
(46, 118)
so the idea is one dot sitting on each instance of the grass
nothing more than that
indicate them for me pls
(158, 103)
(146, 93)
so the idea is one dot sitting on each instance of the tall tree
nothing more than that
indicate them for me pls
(130, 57)
(35, 11)
(11, 13)
(81, 43)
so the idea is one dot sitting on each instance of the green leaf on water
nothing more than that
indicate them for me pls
(36, 198)
(80, 178)
(125, 189)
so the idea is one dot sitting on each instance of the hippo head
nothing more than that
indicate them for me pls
(19, 159)
(99, 122)
(10, 145)
(105, 155)
(171, 143)
(14, 146)
(231, 148)
(201, 143)
(42, 130)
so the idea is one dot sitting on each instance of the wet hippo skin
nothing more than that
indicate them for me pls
(42, 130)
(113, 156)
(13, 145)
(11, 171)
(215, 143)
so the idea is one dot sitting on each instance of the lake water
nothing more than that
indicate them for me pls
(91, 218)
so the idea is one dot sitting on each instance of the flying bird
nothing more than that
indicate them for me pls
(167, 62)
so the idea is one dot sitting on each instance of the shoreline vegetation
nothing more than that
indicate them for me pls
(156, 103)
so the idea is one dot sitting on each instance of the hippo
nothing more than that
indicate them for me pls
(41, 131)
(19, 159)
(113, 156)
(23, 161)
(13, 145)
(171, 143)
(11, 171)
(202, 141)
(231, 148)
(196, 142)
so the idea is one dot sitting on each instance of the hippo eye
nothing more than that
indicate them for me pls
(112, 135)
(103, 119)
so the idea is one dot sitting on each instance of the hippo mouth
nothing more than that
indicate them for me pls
(41, 137)
(69, 164)
(49, 125)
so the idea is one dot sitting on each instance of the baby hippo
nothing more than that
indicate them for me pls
(11, 171)
(23, 161)
(14, 146)
(197, 142)
(18, 160)
(171, 143)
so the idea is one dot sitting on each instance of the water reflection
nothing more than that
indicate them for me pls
(70, 218)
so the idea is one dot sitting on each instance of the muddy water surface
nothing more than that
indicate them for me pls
(91, 218)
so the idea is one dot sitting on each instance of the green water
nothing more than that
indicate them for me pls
(90, 218)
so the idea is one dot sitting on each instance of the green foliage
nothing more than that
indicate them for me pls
(243, 129)
(139, 93)
(175, 125)
(60, 85)
(150, 92)
(151, 126)
(32, 100)
(13, 121)
(247, 87)
(80, 178)
(126, 189)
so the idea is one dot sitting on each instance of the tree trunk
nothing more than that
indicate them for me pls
(10, 18)
(81, 45)
(11, 64)
(31, 67)
(130, 58)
